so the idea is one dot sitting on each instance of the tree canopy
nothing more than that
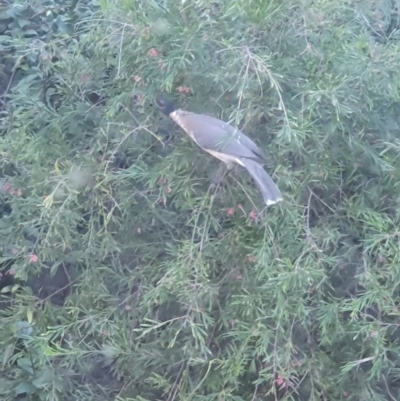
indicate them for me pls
(127, 274)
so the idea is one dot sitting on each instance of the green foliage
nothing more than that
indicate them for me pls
(127, 274)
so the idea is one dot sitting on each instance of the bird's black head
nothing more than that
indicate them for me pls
(165, 105)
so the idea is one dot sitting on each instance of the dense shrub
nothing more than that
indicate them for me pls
(127, 274)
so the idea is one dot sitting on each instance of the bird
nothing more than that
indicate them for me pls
(226, 143)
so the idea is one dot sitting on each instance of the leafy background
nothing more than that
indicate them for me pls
(126, 274)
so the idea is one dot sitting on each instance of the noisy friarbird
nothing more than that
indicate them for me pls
(226, 143)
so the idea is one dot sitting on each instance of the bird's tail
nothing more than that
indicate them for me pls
(266, 185)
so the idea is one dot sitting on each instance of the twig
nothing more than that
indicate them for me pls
(120, 51)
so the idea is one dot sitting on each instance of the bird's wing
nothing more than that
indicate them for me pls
(216, 135)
